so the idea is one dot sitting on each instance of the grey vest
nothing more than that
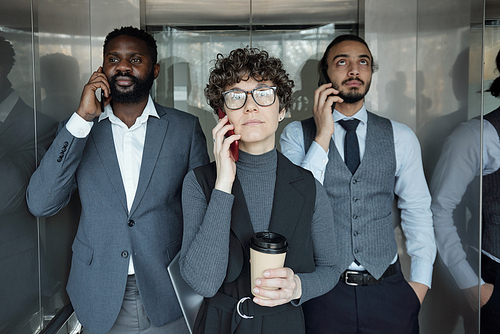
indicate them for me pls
(491, 200)
(362, 203)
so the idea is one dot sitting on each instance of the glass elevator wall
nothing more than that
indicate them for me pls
(48, 50)
(431, 78)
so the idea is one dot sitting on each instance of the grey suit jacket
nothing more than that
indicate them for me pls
(107, 232)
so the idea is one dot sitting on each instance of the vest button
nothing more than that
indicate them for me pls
(355, 233)
(131, 223)
(355, 216)
(356, 251)
(355, 199)
(354, 181)
(124, 254)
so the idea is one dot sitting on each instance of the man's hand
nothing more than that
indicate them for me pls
(324, 98)
(90, 106)
(472, 295)
(420, 290)
(286, 284)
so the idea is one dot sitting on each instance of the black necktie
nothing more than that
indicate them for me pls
(351, 145)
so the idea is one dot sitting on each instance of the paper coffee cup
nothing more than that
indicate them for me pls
(267, 251)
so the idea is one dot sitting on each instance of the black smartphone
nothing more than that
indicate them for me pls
(324, 79)
(234, 147)
(103, 99)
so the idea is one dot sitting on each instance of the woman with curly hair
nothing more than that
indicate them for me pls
(227, 201)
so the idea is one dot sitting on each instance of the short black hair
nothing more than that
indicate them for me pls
(137, 33)
(6, 55)
(495, 85)
(323, 64)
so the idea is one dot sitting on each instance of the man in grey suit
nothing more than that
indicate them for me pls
(127, 163)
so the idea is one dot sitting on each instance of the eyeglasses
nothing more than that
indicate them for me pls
(236, 98)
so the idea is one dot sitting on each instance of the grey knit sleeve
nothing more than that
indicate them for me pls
(205, 243)
(327, 272)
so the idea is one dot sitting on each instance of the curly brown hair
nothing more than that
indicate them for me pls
(252, 63)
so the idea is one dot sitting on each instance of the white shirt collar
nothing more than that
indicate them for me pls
(149, 110)
(361, 114)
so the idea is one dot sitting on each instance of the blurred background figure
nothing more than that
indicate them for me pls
(456, 175)
(60, 79)
(18, 230)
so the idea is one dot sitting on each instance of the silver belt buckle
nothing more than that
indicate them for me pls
(347, 277)
(241, 314)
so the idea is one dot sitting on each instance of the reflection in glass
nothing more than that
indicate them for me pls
(60, 80)
(454, 186)
(19, 285)
(60, 86)
(490, 260)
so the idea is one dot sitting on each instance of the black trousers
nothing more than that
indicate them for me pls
(390, 307)
(490, 312)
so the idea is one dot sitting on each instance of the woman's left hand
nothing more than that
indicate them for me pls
(286, 286)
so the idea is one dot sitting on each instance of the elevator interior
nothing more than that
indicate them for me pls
(435, 59)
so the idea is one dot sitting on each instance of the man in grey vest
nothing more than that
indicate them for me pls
(363, 160)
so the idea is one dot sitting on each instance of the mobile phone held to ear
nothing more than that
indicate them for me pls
(324, 79)
(103, 99)
(233, 148)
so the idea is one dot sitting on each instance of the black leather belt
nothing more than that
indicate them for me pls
(489, 263)
(363, 278)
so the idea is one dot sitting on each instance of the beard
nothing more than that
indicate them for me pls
(353, 95)
(140, 88)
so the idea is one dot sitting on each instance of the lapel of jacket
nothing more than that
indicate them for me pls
(288, 201)
(287, 205)
(241, 225)
(155, 137)
(102, 136)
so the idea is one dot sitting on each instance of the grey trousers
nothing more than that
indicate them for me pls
(132, 318)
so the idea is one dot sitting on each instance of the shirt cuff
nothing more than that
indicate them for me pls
(223, 202)
(464, 275)
(421, 272)
(316, 160)
(317, 156)
(78, 126)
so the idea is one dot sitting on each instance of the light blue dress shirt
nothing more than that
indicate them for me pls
(459, 164)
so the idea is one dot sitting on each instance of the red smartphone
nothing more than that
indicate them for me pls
(234, 148)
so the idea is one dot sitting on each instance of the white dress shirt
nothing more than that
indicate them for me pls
(129, 145)
(459, 164)
(410, 185)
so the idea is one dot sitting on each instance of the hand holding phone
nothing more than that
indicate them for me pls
(324, 79)
(322, 112)
(234, 147)
(90, 106)
(225, 157)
